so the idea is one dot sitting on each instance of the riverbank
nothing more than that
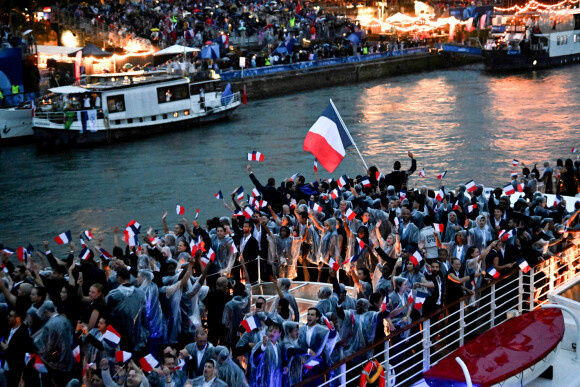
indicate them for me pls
(293, 81)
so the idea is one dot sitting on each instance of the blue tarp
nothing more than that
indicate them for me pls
(354, 38)
(227, 95)
(253, 72)
(210, 52)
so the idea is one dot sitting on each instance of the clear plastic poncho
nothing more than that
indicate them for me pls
(54, 344)
(283, 255)
(228, 371)
(126, 304)
(224, 256)
(266, 365)
(294, 356)
(154, 319)
(171, 308)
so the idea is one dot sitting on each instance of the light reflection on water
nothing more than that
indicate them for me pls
(464, 121)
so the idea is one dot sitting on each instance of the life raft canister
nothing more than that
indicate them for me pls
(373, 375)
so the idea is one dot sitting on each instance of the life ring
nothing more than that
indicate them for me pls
(373, 373)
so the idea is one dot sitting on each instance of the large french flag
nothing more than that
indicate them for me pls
(327, 139)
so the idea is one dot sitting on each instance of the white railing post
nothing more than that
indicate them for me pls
(259, 271)
(551, 275)
(461, 322)
(521, 291)
(465, 371)
(387, 364)
(426, 344)
(492, 306)
(532, 289)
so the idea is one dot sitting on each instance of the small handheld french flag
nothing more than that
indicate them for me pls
(440, 194)
(521, 186)
(350, 214)
(470, 185)
(509, 190)
(311, 363)
(471, 208)
(122, 356)
(255, 156)
(334, 193)
(87, 235)
(333, 264)
(77, 353)
(505, 235)
(420, 299)
(440, 227)
(85, 254)
(366, 182)
(492, 272)
(441, 176)
(251, 323)
(256, 193)
(360, 243)
(574, 150)
(315, 165)
(294, 176)
(180, 210)
(523, 264)
(318, 208)
(240, 193)
(515, 162)
(22, 254)
(105, 253)
(248, 212)
(219, 195)
(416, 258)
(456, 206)
(403, 194)
(196, 213)
(422, 173)
(111, 336)
(148, 363)
(63, 238)
(342, 181)
(327, 322)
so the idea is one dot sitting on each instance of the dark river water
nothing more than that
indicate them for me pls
(465, 121)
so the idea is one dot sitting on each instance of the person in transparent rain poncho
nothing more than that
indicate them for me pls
(237, 308)
(154, 320)
(329, 243)
(283, 251)
(283, 289)
(294, 355)
(228, 370)
(266, 359)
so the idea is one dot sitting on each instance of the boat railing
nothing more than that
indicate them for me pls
(59, 117)
(433, 337)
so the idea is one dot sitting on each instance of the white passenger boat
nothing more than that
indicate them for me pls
(111, 108)
(16, 124)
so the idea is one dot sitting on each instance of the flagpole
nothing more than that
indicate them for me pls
(347, 132)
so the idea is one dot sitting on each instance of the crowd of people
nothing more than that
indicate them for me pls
(175, 308)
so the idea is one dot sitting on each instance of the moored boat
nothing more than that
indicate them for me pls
(16, 124)
(533, 40)
(117, 108)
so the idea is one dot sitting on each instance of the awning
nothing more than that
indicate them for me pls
(175, 50)
(68, 90)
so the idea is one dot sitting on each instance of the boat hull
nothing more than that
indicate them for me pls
(51, 138)
(505, 60)
(504, 353)
(15, 125)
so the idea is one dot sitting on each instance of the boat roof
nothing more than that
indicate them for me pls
(68, 90)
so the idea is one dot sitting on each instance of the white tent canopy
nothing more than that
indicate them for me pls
(176, 49)
(68, 90)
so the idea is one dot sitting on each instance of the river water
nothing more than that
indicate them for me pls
(465, 121)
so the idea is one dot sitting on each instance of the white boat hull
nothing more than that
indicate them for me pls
(15, 124)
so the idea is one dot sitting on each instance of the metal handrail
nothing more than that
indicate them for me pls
(491, 300)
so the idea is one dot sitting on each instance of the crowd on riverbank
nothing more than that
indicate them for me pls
(173, 308)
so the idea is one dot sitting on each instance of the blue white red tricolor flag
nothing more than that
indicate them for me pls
(333, 264)
(22, 254)
(148, 363)
(63, 238)
(470, 185)
(105, 253)
(248, 212)
(574, 150)
(255, 156)
(311, 363)
(557, 200)
(420, 299)
(77, 353)
(334, 193)
(112, 336)
(317, 207)
(521, 186)
(471, 208)
(315, 165)
(122, 356)
(523, 264)
(509, 190)
(196, 213)
(251, 323)
(402, 194)
(416, 258)
(440, 195)
(328, 139)
(180, 210)
(219, 195)
(422, 173)
(515, 162)
(366, 182)
(87, 235)
(256, 193)
(505, 234)
(492, 272)
(239, 193)
(441, 176)
(439, 227)
(342, 181)
(85, 254)
(327, 322)
(350, 214)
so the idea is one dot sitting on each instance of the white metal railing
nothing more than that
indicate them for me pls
(521, 291)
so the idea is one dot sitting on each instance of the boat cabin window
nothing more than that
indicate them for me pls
(172, 93)
(116, 103)
(208, 87)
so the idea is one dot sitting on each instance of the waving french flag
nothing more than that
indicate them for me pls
(470, 185)
(251, 323)
(440, 194)
(328, 139)
(366, 182)
(112, 336)
(63, 238)
(416, 258)
(333, 264)
(515, 162)
(219, 195)
(239, 193)
(441, 176)
(509, 190)
(317, 207)
(255, 156)
(180, 210)
(248, 212)
(87, 235)
(350, 214)
(342, 181)
(440, 227)
(123, 356)
(85, 254)
(523, 264)
(335, 193)
(315, 165)
(422, 173)
(148, 363)
(256, 193)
